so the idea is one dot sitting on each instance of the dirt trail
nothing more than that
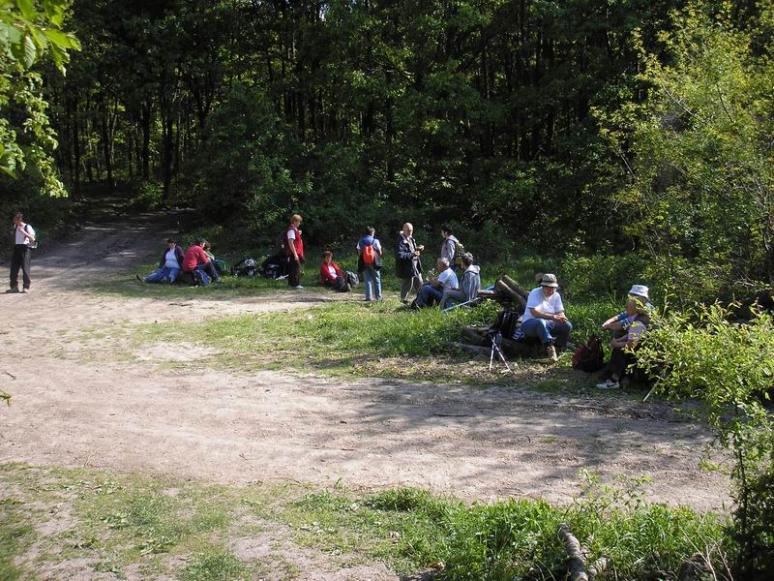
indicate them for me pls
(226, 427)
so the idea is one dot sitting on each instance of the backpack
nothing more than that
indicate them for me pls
(246, 267)
(507, 323)
(369, 255)
(459, 250)
(33, 244)
(589, 357)
(200, 278)
(352, 278)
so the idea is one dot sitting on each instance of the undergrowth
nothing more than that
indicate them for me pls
(191, 531)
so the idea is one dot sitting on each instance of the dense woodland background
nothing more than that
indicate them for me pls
(582, 126)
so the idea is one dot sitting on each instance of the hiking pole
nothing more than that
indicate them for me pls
(496, 340)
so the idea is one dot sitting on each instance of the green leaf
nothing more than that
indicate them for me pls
(30, 51)
(61, 39)
(27, 8)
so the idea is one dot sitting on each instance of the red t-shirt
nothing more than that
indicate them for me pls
(194, 256)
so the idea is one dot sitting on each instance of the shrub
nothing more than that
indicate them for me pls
(601, 275)
(700, 355)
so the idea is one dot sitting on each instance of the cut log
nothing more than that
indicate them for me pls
(515, 286)
(575, 560)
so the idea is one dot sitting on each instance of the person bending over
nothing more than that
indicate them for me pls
(196, 259)
(544, 317)
(331, 275)
(432, 292)
(170, 265)
(628, 326)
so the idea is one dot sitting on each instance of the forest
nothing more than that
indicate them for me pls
(580, 127)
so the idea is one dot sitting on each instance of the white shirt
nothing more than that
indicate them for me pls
(170, 259)
(448, 278)
(332, 271)
(24, 234)
(546, 305)
(291, 234)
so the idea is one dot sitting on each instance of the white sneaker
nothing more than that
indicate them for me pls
(551, 353)
(299, 287)
(609, 384)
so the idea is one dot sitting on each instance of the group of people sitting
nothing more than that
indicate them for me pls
(197, 265)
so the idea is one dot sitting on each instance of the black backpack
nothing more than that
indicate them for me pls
(506, 323)
(246, 267)
(589, 357)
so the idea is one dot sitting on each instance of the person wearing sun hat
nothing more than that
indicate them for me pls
(544, 316)
(628, 327)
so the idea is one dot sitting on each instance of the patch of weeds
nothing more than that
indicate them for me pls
(215, 565)
(16, 535)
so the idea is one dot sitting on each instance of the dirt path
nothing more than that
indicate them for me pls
(225, 427)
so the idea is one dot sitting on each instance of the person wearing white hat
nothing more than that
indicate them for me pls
(629, 326)
(544, 316)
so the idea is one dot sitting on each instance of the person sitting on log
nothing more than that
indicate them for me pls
(331, 274)
(471, 283)
(629, 327)
(544, 317)
(432, 292)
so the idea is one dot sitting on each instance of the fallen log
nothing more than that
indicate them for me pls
(575, 561)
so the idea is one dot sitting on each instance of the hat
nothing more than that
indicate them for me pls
(549, 280)
(639, 290)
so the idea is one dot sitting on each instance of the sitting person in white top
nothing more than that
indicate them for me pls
(432, 292)
(544, 317)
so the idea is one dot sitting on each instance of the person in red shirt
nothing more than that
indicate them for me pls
(331, 274)
(294, 251)
(196, 259)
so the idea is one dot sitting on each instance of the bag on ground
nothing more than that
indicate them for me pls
(352, 278)
(246, 267)
(589, 357)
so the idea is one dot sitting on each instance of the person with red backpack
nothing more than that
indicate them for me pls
(369, 264)
(294, 251)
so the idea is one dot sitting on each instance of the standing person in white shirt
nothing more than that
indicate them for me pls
(544, 316)
(24, 239)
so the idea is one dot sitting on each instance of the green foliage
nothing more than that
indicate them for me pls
(146, 196)
(601, 275)
(729, 368)
(26, 138)
(215, 566)
(700, 190)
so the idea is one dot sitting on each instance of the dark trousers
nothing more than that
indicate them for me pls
(20, 259)
(294, 272)
(620, 360)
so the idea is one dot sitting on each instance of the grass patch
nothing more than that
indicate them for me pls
(188, 530)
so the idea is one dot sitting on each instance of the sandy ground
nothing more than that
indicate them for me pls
(271, 426)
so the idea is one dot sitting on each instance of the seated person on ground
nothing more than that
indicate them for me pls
(544, 317)
(196, 259)
(169, 266)
(629, 327)
(217, 264)
(471, 283)
(432, 292)
(331, 275)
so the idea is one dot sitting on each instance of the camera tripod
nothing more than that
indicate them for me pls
(496, 339)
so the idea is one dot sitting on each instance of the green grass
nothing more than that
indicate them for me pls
(188, 530)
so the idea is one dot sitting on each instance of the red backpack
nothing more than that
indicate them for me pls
(369, 255)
